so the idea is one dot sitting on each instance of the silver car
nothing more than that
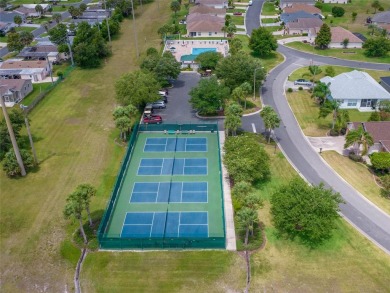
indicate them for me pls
(158, 105)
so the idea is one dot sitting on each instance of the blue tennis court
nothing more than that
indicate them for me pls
(173, 166)
(165, 224)
(178, 144)
(166, 192)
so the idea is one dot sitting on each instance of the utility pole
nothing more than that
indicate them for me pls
(108, 26)
(134, 29)
(13, 139)
(29, 133)
(70, 49)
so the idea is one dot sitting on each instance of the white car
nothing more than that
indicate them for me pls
(250, 3)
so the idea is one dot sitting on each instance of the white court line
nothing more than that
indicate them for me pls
(151, 227)
(254, 128)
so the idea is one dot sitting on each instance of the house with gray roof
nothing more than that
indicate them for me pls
(294, 16)
(15, 90)
(9, 16)
(381, 18)
(308, 26)
(356, 90)
(385, 82)
(285, 3)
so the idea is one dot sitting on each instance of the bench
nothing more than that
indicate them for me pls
(170, 131)
(184, 132)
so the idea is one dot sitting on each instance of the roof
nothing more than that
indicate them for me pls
(297, 1)
(301, 7)
(38, 51)
(289, 17)
(339, 34)
(360, 36)
(386, 80)
(13, 64)
(203, 9)
(211, 2)
(12, 84)
(355, 85)
(386, 145)
(9, 16)
(383, 17)
(25, 10)
(204, 23)
(305, 23)
(188, 57)
(32, 6)
(379, 130)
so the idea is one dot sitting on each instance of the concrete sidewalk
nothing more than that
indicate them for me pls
(329, 143)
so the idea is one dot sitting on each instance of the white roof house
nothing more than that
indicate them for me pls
(356, 90)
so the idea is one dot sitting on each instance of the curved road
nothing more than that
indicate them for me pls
(357, 210)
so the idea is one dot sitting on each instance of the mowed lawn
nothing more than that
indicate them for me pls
(74, 135)
(358, 176)
(346, 263)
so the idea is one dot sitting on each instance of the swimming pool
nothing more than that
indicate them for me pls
(197, 51)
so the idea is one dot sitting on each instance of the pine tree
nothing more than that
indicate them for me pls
(324, 37)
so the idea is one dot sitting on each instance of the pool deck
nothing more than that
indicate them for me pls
(184, 47)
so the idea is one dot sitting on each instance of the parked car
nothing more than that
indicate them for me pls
(164, 98)
(148, 110)
(163, 92)
(152, 119)
(158, 105)
(237, 13)
(302, 82)
(250, 3)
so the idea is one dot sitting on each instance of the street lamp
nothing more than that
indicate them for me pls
(254, 81)
(23, 107)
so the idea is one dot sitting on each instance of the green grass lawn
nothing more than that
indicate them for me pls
(41, 20)
(25, 28)
(358, 54)
(236, 9)
(272, 29)
(269, 20)
(37, 89)
(269, 9)
(237, 20)
(74, 137)
(359, 176)
(59, 8)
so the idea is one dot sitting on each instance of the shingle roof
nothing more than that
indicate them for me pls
(9, 16)
(289, 17)
(12, 84)
(302, 7)
(11, 64)
(211, 2)
(379, 130)
(204, 23)
(355, 85)
(305, 23)
(386, 80)
(297, 1)
(339, 34)
(383, 17)
(203, 9)
(386, 145)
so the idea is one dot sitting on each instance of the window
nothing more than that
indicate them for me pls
(216, 33)
(199, 34)
(368, 103)
(210, 33)
(352, 103)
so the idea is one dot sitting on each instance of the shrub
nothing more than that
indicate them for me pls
(355, 157)
(305, 34)
(381, 9)
(290, 90)
(385, 182)
(60, 74)
(318, 5)
(11, 166)
(338, 11)
(333, 132)
(343, 131)
(375, 116)
(380, 161)
(300, 88)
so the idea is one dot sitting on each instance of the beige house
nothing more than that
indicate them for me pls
(15, 90)
(204, 25)
(203, 9)
(34, 70)
(339, 34)
(308, 26)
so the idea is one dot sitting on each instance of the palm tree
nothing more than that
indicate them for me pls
(175, 6)
(230, 30)
(57, 17)
(87, 191)
(359, 137)
(18, 20)
(246, 218)
(271, 120)
(74, 208)
(39, 9)
(232, 122)
(376, 5)
(321, 91)
(330, 106)
(123, 123)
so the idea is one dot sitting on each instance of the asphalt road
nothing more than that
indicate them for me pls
(362, 214)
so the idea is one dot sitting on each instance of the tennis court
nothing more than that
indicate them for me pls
(168, 193)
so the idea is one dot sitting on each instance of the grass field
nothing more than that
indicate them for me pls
(74, 135)
(269, 9)
(269, 20)
(358, 176)
(358, 54)
(37, 89)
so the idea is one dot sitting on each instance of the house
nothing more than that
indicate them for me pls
(302, 7)
(339, 34)
(285, 3)
(9, 16)
(308, 26)
(99, 14)
(42, 52)
(291, 17)
(335, 1)
(5, 27)
(204, 25)
(203, 9)
(15, 90)
(385, 82)
(213, 3)
(28, 10)
(16, 69)
(356, 90)
(380, 132)
(381, 18)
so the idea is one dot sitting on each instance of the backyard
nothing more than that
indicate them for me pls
(269, 9)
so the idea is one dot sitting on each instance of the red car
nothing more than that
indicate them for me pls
(237, 13)
(153, 119)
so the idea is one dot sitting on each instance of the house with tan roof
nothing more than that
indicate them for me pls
(308, 26)
(203, 9)
(204, 25)
(302, 7)
(16, 69)
(339, 34)
(14, 90)
(380, 132)
(213, 3)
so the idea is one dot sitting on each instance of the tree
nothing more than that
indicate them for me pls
(18, 20)
(324, 37)
(128, 112)
(58, 34)
(167, 68)
(164, 30)
(233, 115)
(208, 96)
(246, 218)
(151, 52)
(380, 161)
(14, 43)
(262, 42)
(376, 5)
(376, 47)
(338, 11)
(137, 88)
(208, 60)
(149, 63)
(74, 11)
(86, 192)
(4, 3)
(375, 116)
(304, 211)
(330, 107)
(321, 91)
(123, 123)
(329, 71)
(271, 120)
(230, 30)
(314, 70)
(26, 38)
(175, 6)
(359, 137)
(385, 182)
(236, 69)
(39, 9)
(82, 7)
(57, 17)
(11, 166)
(74, 209)
(345, 43)
(17, 121)
(354, 14)
(245, 159)
(235, 46)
